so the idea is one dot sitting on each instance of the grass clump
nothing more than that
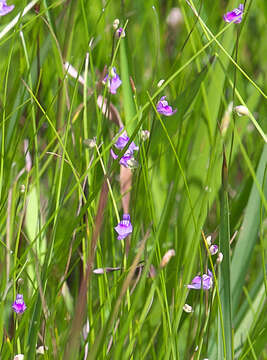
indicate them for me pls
(133, 185)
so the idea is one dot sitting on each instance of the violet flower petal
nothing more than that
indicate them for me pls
(4, 8)
(164, 108)
(213, 249)
(113, 81)
(113, 154)
(19, 305)
(234, 15)
(206, 282)
(122, 140)
(124, 227)
(195, 283)
(120, 144)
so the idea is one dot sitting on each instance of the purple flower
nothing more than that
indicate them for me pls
(113, 81)
(205, 281)
(164, 108)
(122, 140)
(124, 227)
(128, 155)
(4, 8)
(235, 15)
(213, 249)
(19, 305)
(120, 32)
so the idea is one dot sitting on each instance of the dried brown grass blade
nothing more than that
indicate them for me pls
(78, 319)
(109, 111)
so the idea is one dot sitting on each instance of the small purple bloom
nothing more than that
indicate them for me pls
(124, 227)
(4, 8)
(19, 305)
(113, 81)
(205, 281)
(213, 249)
(235, 15)
(122, 140)
(120, 144)
(120, 32)
(164, 108)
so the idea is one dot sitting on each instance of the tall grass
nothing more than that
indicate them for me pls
(201, 177)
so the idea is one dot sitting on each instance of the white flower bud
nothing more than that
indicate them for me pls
(219, 258)
(116, 23)
(145, 135)
(19, 357)
(41, 350)
(187, 308)
(208, 239)
(175, 17)
(91, 143)
(160, 82)
(167, 257)
(132, 163)
(241, 110)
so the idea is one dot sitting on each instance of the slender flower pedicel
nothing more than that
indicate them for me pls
(164, 108)
(113, 81)
(19, 305)
(205, 282)
(235, 15)
(128, 158)
(4, 8)
(124, 227)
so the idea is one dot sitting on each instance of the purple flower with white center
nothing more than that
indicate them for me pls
(124, 227)
(19, 305)
(235, 15)
(4, 8)
(113, 81)
(205, 282)
(120, 144)
(213, 249)
(164, 108)
(120, 33)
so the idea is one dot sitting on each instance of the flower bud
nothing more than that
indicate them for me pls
(19, 357)
(20, 282)
(241, 110)
(132, 163)
(145, 135)
(91, 143)
(116, 23)
(41, 350)
(160, 82)
(175, 17)
(208, 239)
(219, 258)
(187, 308)
(167, 257)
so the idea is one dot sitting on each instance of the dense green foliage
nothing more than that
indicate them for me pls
(202, 171)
